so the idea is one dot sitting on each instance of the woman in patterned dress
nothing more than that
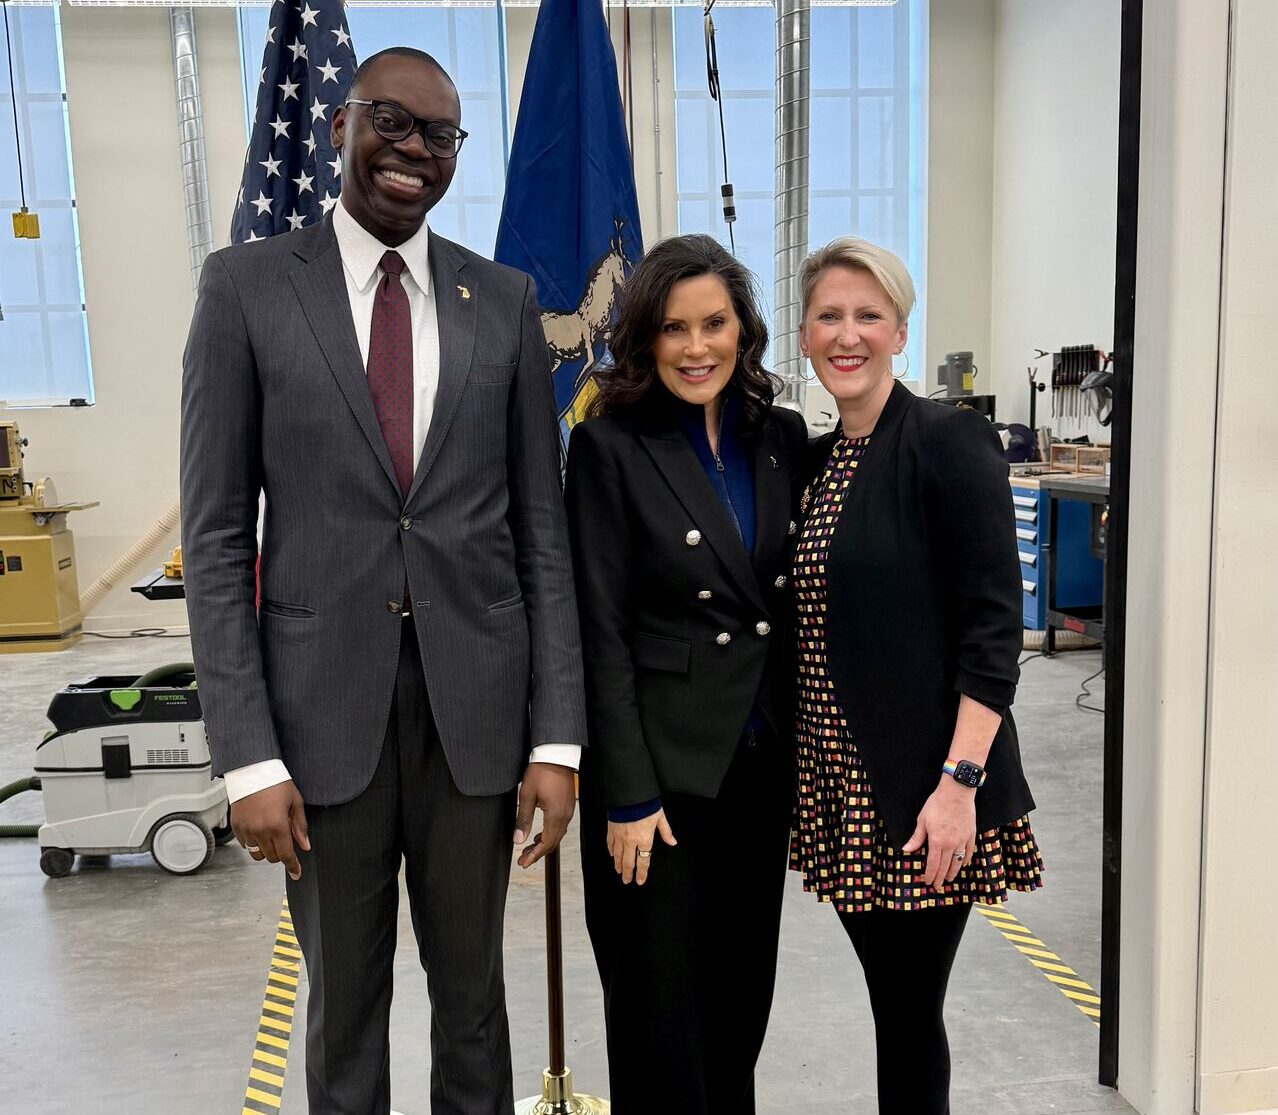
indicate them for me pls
(911, 801)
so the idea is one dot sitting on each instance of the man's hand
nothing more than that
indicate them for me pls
(269, 823)
(548, 787)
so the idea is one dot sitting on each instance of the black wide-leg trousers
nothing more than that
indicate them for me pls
(688, 960)
(456, 852)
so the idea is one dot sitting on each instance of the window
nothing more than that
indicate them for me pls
(867, 164)
(465, 40)
(44, 345)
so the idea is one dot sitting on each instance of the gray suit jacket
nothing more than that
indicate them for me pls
(274, 399)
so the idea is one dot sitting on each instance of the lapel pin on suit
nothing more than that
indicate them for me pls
(775, 466)
(464, 292)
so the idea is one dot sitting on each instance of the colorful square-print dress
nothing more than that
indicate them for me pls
(839, 843)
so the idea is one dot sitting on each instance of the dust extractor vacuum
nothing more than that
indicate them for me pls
(126, 769)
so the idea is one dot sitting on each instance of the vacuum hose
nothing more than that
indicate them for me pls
(9, 791)
(165, 673)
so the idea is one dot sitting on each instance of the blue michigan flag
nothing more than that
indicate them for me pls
(292, 174)
(570, 217)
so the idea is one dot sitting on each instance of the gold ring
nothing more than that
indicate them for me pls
(645, 854)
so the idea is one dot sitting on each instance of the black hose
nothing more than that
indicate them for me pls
(164, 673)
(6, 792)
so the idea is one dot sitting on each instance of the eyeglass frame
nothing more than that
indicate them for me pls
(419, 125)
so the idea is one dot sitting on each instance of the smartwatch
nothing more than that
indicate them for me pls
(965, 773)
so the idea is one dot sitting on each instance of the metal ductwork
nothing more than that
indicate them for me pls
(195, 187)
(790, 229)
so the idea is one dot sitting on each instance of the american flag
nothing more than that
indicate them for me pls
(292, 173)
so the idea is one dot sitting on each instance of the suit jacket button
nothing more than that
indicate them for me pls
(723, 638)
(693, 537)
(406, 523)
(793, 527)
(763, 627)
(394, 606)
(779, 582)
(704, 594)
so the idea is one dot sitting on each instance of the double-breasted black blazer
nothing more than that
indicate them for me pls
(684, 632)
(924, 604)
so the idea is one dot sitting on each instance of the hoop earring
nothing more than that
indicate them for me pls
(907, 367)
(806, 372)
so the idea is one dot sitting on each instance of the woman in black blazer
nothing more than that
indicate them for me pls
(680, 492)
(911, 800)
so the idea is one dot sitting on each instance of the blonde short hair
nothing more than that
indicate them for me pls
(888, 269)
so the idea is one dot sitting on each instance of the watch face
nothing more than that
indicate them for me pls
(969, 774)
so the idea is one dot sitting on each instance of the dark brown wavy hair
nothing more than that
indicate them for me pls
(631, 378)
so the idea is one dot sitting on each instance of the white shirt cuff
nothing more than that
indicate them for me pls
(243, 781)
(561, 754)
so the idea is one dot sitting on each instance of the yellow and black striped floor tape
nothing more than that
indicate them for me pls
(265, 1089)
(1067, 981)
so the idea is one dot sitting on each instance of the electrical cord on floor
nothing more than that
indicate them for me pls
(1078, 700)
(1030, 657)
(141, 633)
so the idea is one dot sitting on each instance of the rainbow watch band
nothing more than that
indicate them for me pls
(951, 768)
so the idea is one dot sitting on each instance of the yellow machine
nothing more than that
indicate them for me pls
(39, 593)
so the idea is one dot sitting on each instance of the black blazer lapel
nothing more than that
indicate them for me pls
(455, 312)
(881, 447)
(321, 289)
(678, 463)
(771, 500)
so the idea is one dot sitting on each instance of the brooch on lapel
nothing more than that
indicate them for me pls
(464, 292)
(804, 500)
(775, 466)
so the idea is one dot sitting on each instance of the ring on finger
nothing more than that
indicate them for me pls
(645, 853)
(251, 848)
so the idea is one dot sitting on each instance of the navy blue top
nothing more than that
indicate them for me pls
(729, 474)
(732, 479)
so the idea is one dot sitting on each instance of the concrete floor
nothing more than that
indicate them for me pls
(129, 990)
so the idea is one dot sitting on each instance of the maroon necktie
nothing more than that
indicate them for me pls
(390, 368)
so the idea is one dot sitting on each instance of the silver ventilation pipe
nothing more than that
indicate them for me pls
(656, 113)
(790, 227)
(195, 187)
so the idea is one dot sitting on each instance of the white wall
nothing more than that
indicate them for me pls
(1238, 993)
(137, 280)
(1054, 192)
(960, 184)
(1169, 569)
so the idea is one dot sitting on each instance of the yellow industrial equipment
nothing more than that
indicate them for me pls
(173, 567)
(39, 593)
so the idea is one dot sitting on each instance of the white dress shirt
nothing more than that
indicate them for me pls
(361, 254)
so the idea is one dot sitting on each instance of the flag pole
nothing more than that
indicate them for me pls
(557, 1097)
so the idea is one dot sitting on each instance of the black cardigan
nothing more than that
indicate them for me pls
(924, 604)
(662, 578)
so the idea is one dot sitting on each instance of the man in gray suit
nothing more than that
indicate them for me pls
(390, 393)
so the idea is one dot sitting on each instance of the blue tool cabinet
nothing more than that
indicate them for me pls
(1080, 577)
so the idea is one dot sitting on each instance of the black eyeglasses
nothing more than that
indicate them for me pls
(394, 122)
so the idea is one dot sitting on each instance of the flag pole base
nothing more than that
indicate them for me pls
(557, 1098)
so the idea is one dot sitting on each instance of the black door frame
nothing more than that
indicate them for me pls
(1117, 528)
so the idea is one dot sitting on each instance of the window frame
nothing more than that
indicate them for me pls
(27, 398)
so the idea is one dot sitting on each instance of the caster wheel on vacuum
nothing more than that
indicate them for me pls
(181, 844)
(57, 862)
